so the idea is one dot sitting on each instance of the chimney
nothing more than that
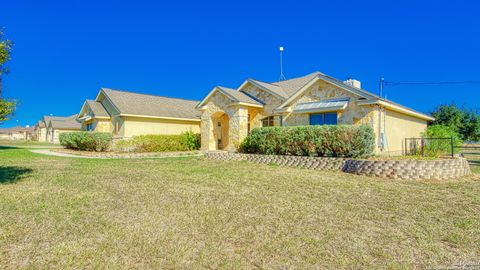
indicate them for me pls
(353, 83)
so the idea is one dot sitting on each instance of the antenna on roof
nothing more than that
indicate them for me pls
(282, 77)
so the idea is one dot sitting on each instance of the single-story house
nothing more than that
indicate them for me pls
(57, 125)
(17, 133)
(40, 130)
(228, 115)
(127, 114)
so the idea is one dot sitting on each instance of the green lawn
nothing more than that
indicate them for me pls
(184, 213)
(26, 144)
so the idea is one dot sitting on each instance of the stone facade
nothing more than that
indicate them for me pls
(353, 114)
(440, 169)
(237, 122)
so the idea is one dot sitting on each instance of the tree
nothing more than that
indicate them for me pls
(449, 115)
(465, 122)
(7, 107)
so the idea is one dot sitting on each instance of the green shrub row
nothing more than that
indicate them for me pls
(323, 141)
(186, 141)
(86, 141)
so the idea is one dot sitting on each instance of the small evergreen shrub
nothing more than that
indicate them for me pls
(323, 141)
(86, 141)
(186, 141)
(437, 148)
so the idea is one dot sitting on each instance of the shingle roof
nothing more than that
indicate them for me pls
(97, 108)
(69, 122)
(271, 87)
(16, 129)
(239, 96)
(151, 105)
(290, 87)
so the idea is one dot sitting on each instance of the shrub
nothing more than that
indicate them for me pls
(86, 141)
(436, 148)
(186, 141)
(331, 141)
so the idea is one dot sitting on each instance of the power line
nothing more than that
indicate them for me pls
(426, 83)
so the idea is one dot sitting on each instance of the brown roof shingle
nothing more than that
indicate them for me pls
(151, 105)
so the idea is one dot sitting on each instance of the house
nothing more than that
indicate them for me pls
(57, 125)
(40, 131)
(228, 115)
(17, 133)
(127, 114)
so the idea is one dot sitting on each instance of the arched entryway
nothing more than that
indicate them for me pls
(219, 130)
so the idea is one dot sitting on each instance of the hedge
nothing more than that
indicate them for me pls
(323, 141)
(86, 141)
(186, 141)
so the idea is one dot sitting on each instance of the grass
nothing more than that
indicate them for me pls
(184, 213)
(25, 144)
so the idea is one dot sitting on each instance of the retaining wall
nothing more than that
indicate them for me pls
(440, 169)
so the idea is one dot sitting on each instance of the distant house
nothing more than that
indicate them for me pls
(40, 130)
(57, 125)
(127, 114)
(45, 132)
(228, 115)
(17, 133)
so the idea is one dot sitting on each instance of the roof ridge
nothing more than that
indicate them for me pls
(296, 78)
(136, 93)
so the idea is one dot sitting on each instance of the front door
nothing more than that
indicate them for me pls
(219, 134)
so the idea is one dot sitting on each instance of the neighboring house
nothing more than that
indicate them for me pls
(57, 125)
(127, 114)
(17, 133)
(40, 130)
(228, 115)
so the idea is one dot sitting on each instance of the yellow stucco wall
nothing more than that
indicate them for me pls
(133, 126)
(399, 126)
(99, 125)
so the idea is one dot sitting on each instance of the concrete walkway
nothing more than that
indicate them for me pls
(59, 154)
(56, 154)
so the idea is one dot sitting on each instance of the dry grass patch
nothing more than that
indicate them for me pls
(195, 213)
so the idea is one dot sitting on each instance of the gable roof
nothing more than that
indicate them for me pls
(97, 108)
(143, 105)
(234, 95)
(41, 124)
(16, 129)
(290, 90)
(68, 122)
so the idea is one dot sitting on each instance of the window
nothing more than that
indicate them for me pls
(89, 126)
(323, 119)
(268, 121)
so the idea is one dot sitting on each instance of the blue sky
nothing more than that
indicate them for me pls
(66, 50)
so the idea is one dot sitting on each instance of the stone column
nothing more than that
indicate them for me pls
(238, 127)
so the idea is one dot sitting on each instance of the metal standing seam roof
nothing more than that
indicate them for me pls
(325, 105)
(151, 105)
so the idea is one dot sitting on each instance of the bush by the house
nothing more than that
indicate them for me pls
(186, 141)
(436, 148)
(324, 141)
(86, 141)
